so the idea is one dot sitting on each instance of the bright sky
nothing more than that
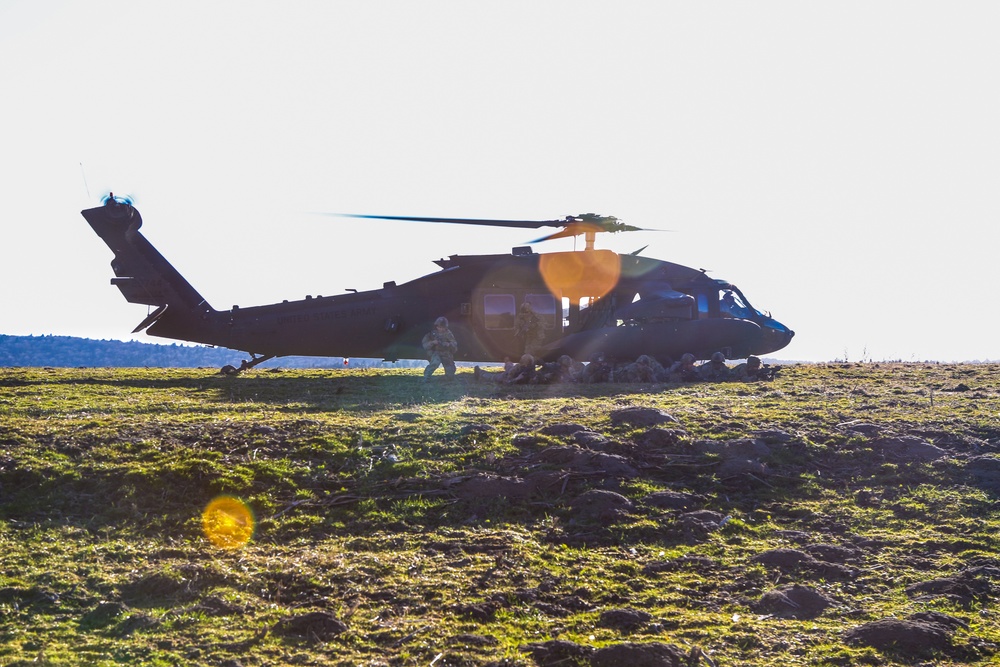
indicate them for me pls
(838, 161)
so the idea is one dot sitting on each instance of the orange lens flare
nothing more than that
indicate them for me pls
(592, 273)
(228, 523)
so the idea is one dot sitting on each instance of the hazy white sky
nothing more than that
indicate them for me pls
(838, 161)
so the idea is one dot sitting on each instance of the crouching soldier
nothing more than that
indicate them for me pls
(440, 346)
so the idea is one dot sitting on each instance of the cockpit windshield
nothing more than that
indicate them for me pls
(733, 304)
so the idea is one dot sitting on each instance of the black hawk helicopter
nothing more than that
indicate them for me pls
(588, 301)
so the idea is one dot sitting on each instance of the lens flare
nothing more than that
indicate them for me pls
(593, 273)
(228, 523)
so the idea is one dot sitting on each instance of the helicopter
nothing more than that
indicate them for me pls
(589, 302)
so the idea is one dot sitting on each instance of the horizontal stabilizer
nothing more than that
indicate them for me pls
(152, 317)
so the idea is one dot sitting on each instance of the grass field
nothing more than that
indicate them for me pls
(841, 514)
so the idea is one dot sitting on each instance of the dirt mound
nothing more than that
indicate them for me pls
(985, 470)
(671, 500)
(968, 586)
(640, 417)
(562, 429)
(653, 654)
(795, 601)
(791, 560)
(601, 505)
(317, 626)
(920, 635)
(908, 448)
(561, 653)
(625, 620)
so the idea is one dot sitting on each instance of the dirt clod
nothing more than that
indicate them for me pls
(915, 637)
(672, 500)
(625, 620)
(794, 601)
(653, 654)
(315, 625)
(559, 653)
(640, 417)
(601, 505)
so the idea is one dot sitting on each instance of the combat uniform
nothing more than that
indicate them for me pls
(683, 370)
(748, 371)
(715, 370)
(522, 372)
(528, 325)
(640, 370)
(440, 346)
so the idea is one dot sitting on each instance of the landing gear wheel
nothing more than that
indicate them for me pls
(246, 364)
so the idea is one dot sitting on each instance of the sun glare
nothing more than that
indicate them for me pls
(593, 273)
(228, 523)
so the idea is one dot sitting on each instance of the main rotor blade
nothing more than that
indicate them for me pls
(573, 229)
(572, 225)
(524, 224)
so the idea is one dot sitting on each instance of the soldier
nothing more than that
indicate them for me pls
(522, 372)
(572, 370)
(683, 370)
(715, 370)
(749, 371)
(643, 369)
(528, 326)
(548, 373)
(598, 370)
(440, 346)
(564, 369)
(482, 375)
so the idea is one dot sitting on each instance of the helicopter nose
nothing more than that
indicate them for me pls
(775, 338)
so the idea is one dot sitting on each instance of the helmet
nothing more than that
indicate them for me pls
(718, 357)
(441, 322)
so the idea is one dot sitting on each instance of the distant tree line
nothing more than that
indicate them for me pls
(69, 351)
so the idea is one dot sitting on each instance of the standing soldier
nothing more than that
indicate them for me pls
(528, 326)
(441, 346)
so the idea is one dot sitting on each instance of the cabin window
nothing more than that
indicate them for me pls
(702, 305)
(499, 311)
(544, 305)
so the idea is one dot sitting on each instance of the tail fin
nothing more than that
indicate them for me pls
(144, 276)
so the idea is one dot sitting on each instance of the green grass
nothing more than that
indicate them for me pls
(363, 486)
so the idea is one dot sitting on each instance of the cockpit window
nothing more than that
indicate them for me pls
(732, 305)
